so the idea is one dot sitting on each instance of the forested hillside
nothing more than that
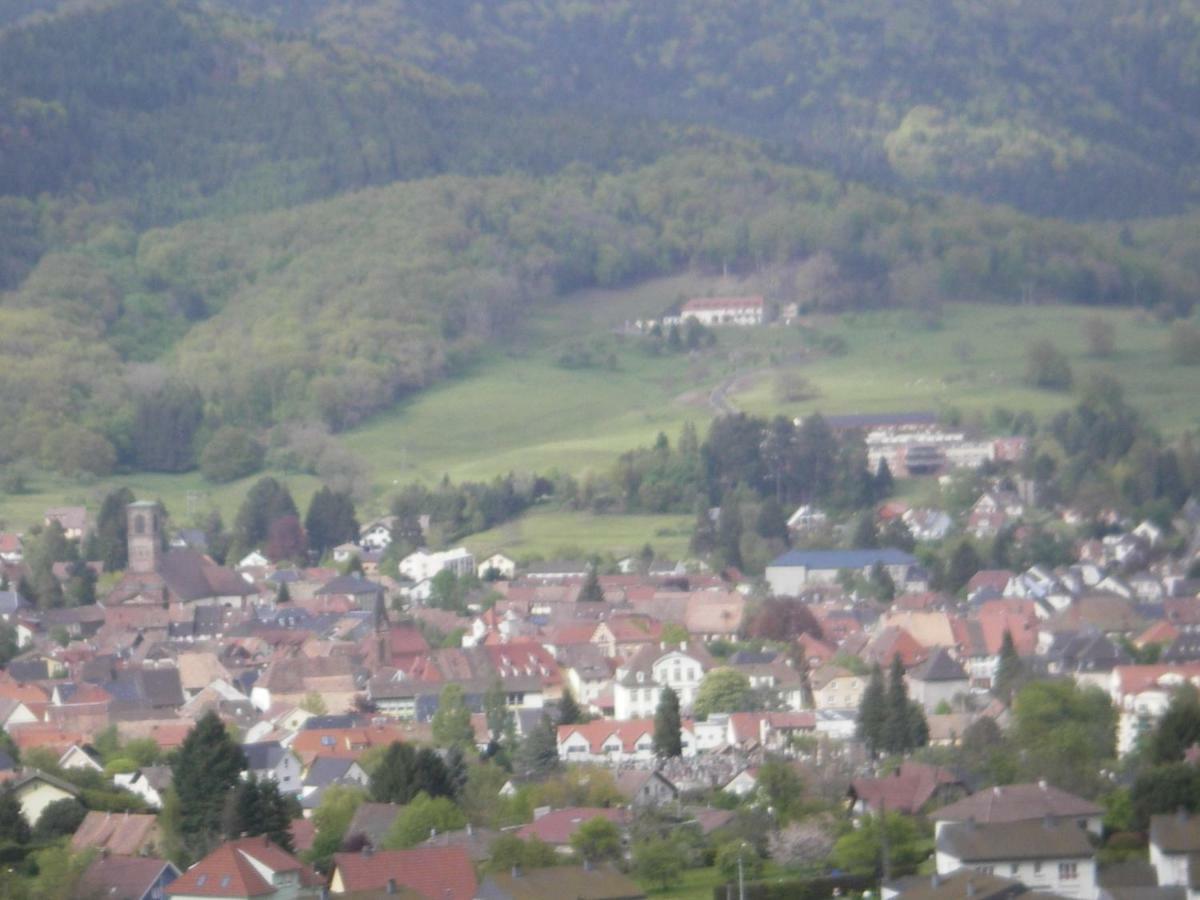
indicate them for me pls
(1080, 108)
(247, 213)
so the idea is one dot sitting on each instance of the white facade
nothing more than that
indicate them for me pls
(1063, 877)
(422, 565)
(506, 567)
(636, 694)
(724, 311)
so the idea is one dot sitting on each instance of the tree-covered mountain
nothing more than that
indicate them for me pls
(244, 213)
(1078, 108)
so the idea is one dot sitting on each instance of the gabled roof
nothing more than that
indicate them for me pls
(1175, 833)
(263, 756)
(941, 666)
(194, 576)
(971, 842)
(121, 877)
(956, 885)
(557, 826)
(326, 770)
(373, 821)
(433, 872)
(120, 834)
(1017, 803)
(228, 871)
(906, 790)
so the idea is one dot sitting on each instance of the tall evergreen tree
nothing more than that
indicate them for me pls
(331, 520)
(569, 712)
(704, 535)
(729, 531)
(266, 502)
(1008, 670)
(872, 711)
(14, 827)
(112, 530)
(538, 754)
(456, 772)
(591, 592)
(206, 768)
(430, 775)
(259, 807)
(904, 725)
(668, 728)
(394, 778)
(495, 709)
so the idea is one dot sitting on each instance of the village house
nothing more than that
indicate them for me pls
(911, 789)
(270, 760)
(1174, 845)
(117, 834)
(247, 867)
(638, 684)
(1030, 802)
(725, 310)
(1045, 856)
(127, 878)
(497, 567)
(788, 575)
(614, 743)
(834, 687)
(556, 827)
(377, 534)
(422, 565)
(72, 519)
(939, 679)
(445, 873)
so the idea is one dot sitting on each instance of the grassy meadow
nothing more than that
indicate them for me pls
(517, 410)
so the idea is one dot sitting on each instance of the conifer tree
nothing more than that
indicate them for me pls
(14, 828)
(538, 754)
(569, 712)
(591, 592)
(207, 767)
(1008, 670)
(872, 711)
(393, 779)
(283, 595)
(668, 738)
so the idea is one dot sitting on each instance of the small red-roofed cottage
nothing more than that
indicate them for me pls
(248, 867)
(724, 310)
(436, 873)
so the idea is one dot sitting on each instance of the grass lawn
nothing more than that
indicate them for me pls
(518, 410)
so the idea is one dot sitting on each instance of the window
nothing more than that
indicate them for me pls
(1037, 867)
(1014, 868)
(1067, 871)
(200, 879)
(984, 870)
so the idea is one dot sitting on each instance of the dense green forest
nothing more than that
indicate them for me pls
(1085, 107)
(241, 214)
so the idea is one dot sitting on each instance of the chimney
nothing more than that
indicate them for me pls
(391, 886)
(470, 831)
(366, 851)
(996, 791)
(516, 871)
(935, 881)
(970, 888)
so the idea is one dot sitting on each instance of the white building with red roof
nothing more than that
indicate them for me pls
(725, 310)
(603, 740)
(1142, 694)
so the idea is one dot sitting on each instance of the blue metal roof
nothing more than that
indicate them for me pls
(843, 559)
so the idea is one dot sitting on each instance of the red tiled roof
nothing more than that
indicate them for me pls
(996, 579)
(1135, 679)
(600, 730)
(438, 873)
(699, 303)
(228, 872)
(123, 834)
(557, 826)
(1161, 632)
(906, 790)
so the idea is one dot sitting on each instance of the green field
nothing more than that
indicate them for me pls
(518, 410)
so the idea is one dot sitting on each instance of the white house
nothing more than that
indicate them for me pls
(270, 759)
(638, 684)
(1142, 694)
(939, 679)
(421, 564)
(790, 574)
(1049, 857)
(1174, 843)
(377, 535)
(616, 742)
(725, 310)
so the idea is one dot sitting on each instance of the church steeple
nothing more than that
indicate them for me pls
(145, 545)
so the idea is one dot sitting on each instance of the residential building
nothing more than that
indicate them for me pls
(939, 679)
(1174, 845)
(910, 789)
(1045, 856)
(444, 873)
(638, 684)
(247, 867)
(421, 565)
(271, 760)
(725, 310)
(127, 878)
(1030, 802)
(788, 575)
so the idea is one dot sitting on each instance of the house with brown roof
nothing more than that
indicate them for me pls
(435, 873)
(910, 789)
(1030, 802)
(1044, 855)
(117, 834)
(1175, 849)
(714, 615)
(289, 680)
(556, 882)
(939, 679)
(247, 867)
(126, 878)
(557, 826)
(72, 519)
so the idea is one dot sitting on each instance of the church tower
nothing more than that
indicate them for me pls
(144, 542)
